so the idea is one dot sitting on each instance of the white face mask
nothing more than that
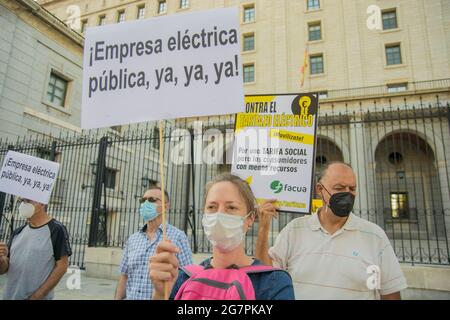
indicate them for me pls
(224, 231)
(26, 210)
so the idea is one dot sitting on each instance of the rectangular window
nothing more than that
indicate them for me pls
(60, 189)
(398, 87)
(249, 73)
(184, 4)
(323, 95)
(249, 13)
(102, 20)
(389, 19)
(314, 31)
(249, 42)
(121, 16)
(117, 128)
(313, 4)
(148, 182)
(141, 12)
(83, 25)
(393, 55)
(110, 178)
(57, 90)
(162, 7)
(399, 205)
(43, 153)
(316, 63)
(155, 138)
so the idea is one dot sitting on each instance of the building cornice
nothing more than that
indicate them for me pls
(97, 11)
(50, 19)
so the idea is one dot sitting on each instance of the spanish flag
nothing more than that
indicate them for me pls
(304, 66)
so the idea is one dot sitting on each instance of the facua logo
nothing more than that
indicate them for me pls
(276, 186)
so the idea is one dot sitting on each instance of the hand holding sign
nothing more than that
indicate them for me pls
(162, 68)
(163, 268)
(266, 212)
(3, 250)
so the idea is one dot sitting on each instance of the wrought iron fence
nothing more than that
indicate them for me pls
(400, 155)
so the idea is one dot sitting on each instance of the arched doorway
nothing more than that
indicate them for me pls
(408, 196)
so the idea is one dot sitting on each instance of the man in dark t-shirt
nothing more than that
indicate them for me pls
(37, 255)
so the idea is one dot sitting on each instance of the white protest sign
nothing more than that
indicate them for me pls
(274, 148)
(162, 68)
(28, 177)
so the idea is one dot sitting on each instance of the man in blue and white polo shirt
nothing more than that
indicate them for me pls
(134, 282)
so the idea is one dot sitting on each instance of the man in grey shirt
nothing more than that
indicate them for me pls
(37, 255)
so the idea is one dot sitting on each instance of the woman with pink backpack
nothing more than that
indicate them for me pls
(230, 211)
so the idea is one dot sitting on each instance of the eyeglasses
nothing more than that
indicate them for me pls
(149, 199)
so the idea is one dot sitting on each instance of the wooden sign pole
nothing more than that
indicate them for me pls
(163, 193)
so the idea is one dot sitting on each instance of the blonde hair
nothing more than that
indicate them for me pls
(244, 189)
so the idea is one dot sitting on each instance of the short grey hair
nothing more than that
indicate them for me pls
(158, 187)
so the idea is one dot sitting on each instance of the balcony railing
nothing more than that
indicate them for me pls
(411, 87)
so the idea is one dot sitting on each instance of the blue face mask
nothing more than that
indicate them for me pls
(148, 211)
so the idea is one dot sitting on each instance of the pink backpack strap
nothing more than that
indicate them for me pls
(259, 269)
(192, 269)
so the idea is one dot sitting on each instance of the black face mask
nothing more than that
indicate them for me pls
(341, 203)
